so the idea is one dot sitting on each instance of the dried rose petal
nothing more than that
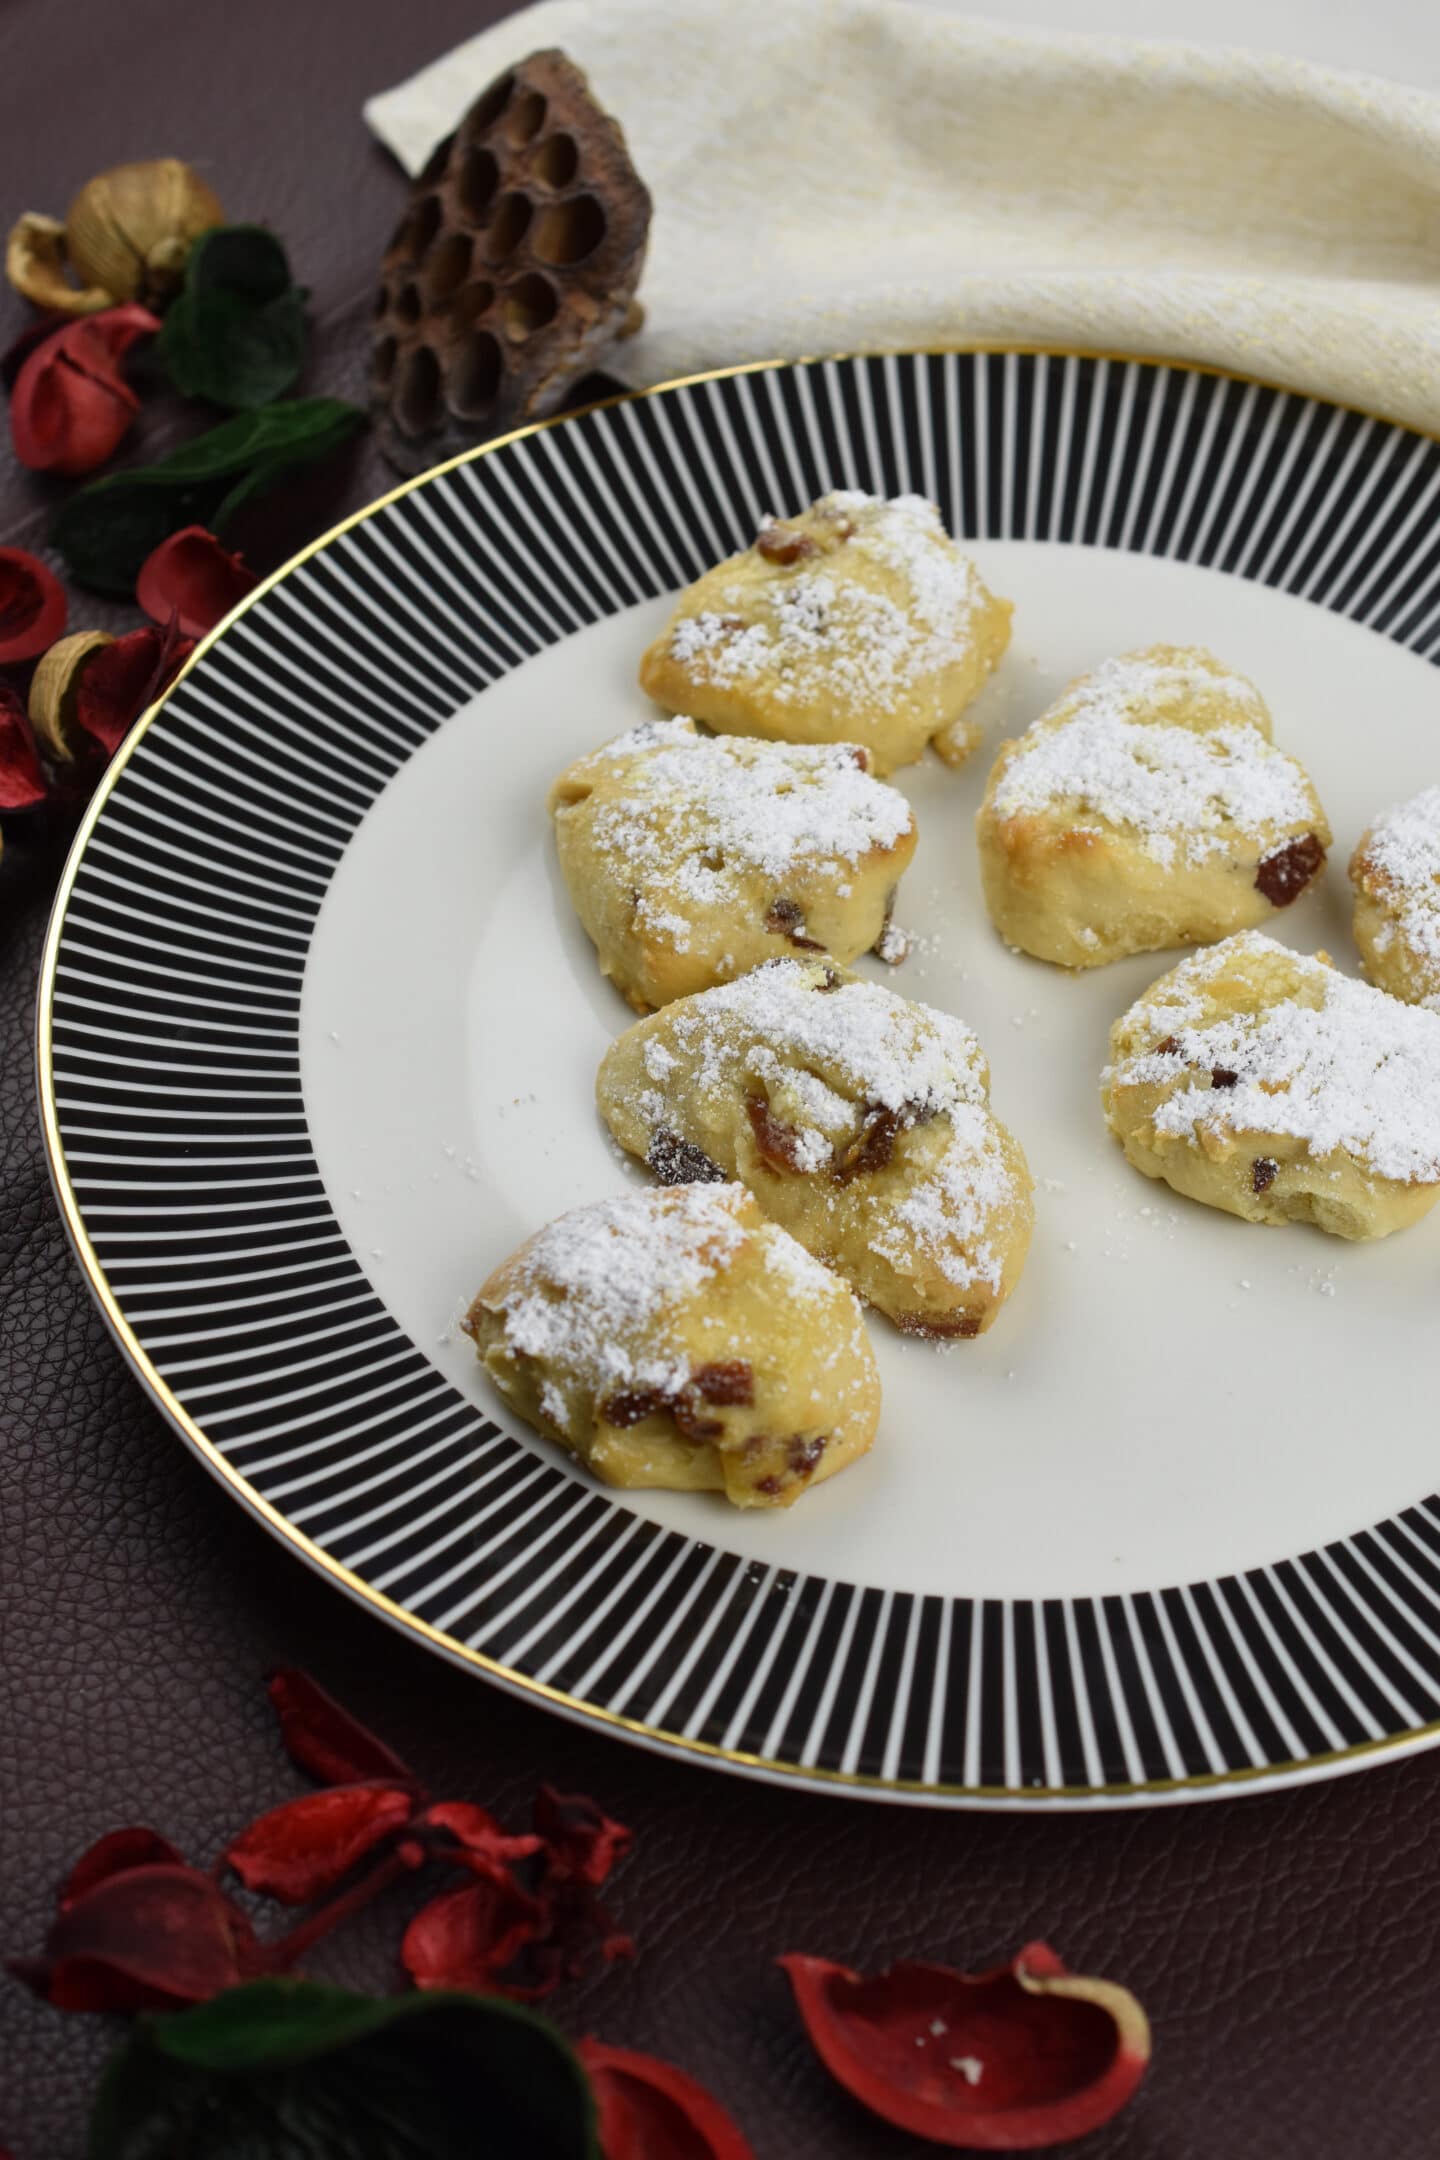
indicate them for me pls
(480, 1843)
(117, 1854)
(649, 2110)
(71, 406)
(301, 1849)
(124, 679)
(467, 1938)
(1023, 2056)
(149, 1938)
(191, 576)
(22, 781)
(33, 606)
(324, 1740)
(583, 1844)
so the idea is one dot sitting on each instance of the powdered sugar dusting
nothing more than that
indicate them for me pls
(824, 635)
(1119, 746)
(1332, 1062)
(831, 1056)
(1403, 846)
(880, 1048)
(699, 816)
(589, 1287)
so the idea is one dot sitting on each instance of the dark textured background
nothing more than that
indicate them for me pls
(1286, 1947)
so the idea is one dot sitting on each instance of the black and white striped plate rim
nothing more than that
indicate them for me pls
(171, 1085)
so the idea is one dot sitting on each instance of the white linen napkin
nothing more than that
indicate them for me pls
(836, 175)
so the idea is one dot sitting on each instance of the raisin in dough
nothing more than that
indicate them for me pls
(1396, 874)
(859, 1120)
(676, 1338)
(1263, 1082)
(1147, 808)
(691, 858)
(860, 620)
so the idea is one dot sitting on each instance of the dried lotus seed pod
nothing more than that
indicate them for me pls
(514, 266)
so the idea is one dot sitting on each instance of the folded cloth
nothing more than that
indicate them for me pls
(836, 175)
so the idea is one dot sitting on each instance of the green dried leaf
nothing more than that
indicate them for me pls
(235, 333)
(106, 530)
(286, 2066)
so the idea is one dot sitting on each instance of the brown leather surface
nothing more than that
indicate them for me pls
(1286, 1947)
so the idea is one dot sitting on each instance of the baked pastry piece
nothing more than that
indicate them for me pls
(1147, 808)
(860, 620)
(1396, 874)
(859, 1120)
(1267, 1084)
(691, 858)
(677, 1338)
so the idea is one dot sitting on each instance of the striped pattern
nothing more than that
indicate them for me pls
(174, 1028)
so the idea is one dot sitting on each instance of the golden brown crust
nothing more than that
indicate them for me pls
(1146, 809)
(857, 620)
(676, 1339)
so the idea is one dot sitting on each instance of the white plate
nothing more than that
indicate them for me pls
(1163, 1528)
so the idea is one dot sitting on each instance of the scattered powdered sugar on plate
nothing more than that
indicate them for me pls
(1403, 846)
(1108, 747)
(1330, 1061)
(698, 816)
(824, 635)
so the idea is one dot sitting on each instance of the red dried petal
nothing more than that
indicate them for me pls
(466, 1938)
(124, 679)
(192, 577)
(33, 607)
(117, 1854)
(583, 1844)
(71, 406)
(1023, 2056)
(324, 1740)
(22, 780)
(479, 1842)
(649, 2110)
(148, 1939)
(301, 1849)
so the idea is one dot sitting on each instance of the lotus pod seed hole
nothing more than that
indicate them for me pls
(525, 118)
(557, 161)
(479, 178)
(507, 227)
(569, 231)
(489, 106)
(407, 306)
(476, 300)
(529, 304)
(382, 302)
(416, 404)
(475, 378)
(382, 362)
(449, 266)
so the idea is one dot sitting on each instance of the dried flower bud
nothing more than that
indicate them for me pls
(71, 406)
(131, 228)
(35, 260)
(53, 689)
(32, 606)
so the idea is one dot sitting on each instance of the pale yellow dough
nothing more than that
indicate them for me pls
(859, 620)
(675, 1338)
(1265, 1083)
(859, 1120)
(1395, 871)
(1147, 808)
(691, 858)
